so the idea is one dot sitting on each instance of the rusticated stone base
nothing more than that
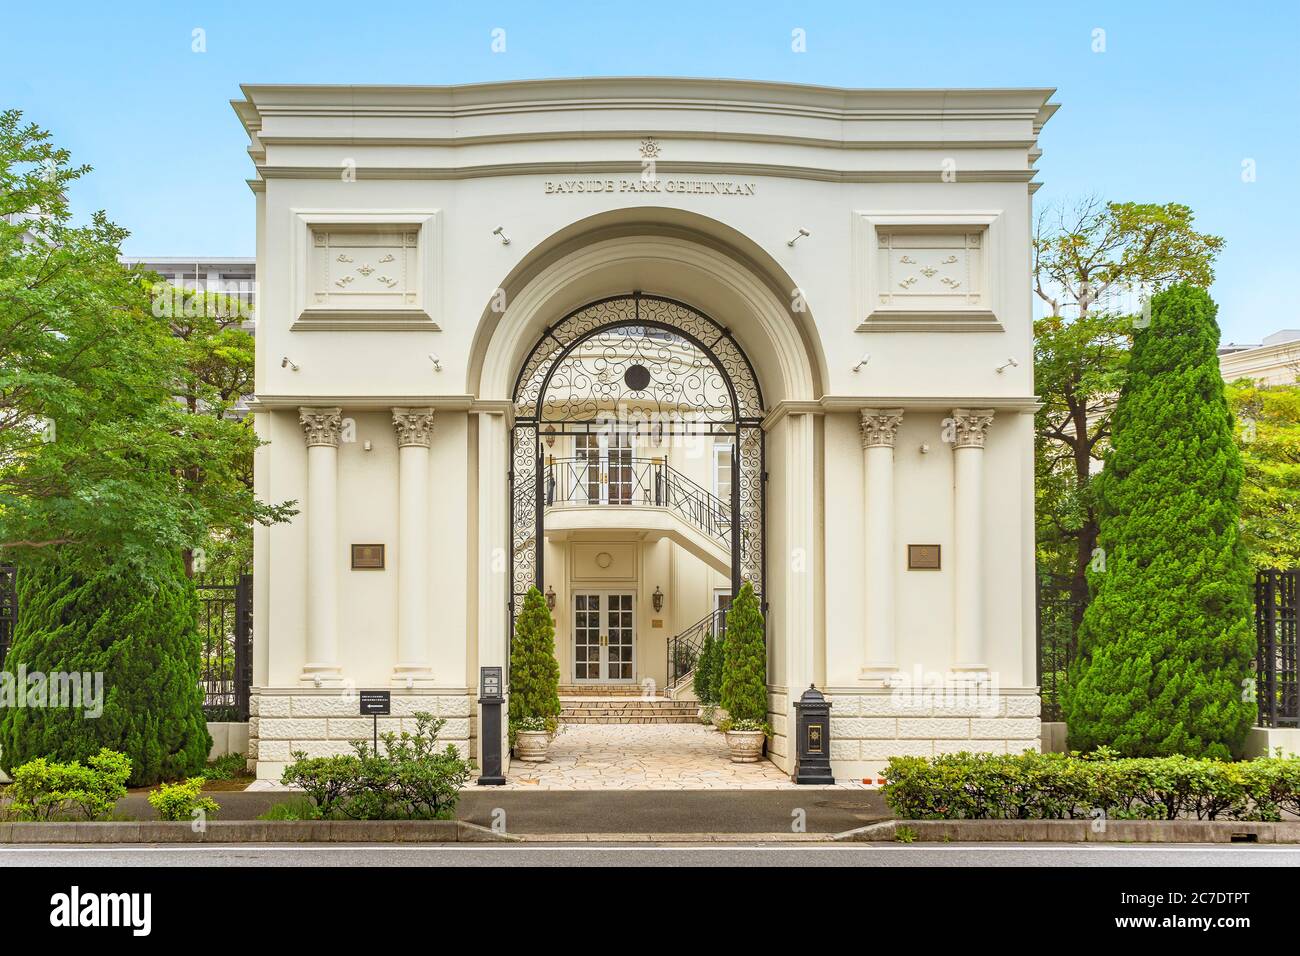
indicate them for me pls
(324, 722)
(868, 728)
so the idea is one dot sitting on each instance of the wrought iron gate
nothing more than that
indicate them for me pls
(647, 366)
(226, 625)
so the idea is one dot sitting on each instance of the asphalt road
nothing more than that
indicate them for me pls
(818, 855)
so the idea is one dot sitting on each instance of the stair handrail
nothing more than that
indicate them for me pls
(684, 647)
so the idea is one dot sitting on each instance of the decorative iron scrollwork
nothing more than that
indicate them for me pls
(655, 366)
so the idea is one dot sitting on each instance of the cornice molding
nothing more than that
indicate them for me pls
(832, 404)
(685, 135)
(272, 403)
(647, 93)
(664, 170)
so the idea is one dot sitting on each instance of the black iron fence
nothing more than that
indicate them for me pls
(225, 623)
(8, 608)
(1058, 644)
(1276, 677)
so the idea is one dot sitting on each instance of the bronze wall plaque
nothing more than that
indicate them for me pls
(923, 557)
(367, 556)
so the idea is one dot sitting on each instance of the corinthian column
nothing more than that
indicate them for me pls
(321, 426)
(879, 426)
(414, 429)
(970, 427)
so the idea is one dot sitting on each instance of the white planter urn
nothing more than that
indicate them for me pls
(531, 745)
(746, 746)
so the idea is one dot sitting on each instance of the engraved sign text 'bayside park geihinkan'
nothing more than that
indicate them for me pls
(699, 187)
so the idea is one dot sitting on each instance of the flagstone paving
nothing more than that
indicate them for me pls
(645, 757)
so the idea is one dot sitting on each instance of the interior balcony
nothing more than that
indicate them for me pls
(642, 495)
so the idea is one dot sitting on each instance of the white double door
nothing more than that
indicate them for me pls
(604, 637)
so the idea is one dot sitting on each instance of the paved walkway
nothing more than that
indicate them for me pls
(645, 757)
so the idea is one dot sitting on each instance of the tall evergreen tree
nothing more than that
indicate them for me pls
(744, 660)
(140, 633)
(534, 671)
(1165, 645)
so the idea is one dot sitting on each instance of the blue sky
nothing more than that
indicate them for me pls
(1183, 93)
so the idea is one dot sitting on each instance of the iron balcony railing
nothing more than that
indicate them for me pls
(684, 648)
(621, 480)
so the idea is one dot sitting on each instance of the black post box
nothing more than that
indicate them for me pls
(813, 738)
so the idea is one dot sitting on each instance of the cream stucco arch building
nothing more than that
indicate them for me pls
(866, 250)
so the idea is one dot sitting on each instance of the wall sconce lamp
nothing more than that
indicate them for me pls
(550, 598)
(801, 234)
(657, 599)
(1009, 363)
(549, 434)
(287, 362)
(500, 233)
(866, 357)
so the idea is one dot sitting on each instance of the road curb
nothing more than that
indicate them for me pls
(673, 837)
(255, 831)
(1076, 831)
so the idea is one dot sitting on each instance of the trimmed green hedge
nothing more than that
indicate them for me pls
(1034, 786)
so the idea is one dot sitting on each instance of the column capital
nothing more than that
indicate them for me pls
(880, 426)
(414, 426)
(321, 425)
(971, 425)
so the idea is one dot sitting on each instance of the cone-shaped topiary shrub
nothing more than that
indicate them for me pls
(141, 635)
(708, 669)
(744, 660)
(1166, 643)
(534, 671)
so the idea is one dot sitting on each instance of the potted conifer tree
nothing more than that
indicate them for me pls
(534, 681)
(744, 679)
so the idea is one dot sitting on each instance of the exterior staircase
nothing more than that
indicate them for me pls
(621, 704)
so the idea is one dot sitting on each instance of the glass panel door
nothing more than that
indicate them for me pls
(604, 637)
(586, 637)
(619, 468)
(618, 637)
(605, 459)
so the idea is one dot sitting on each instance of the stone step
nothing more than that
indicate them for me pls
(626, 710)
(601, 690)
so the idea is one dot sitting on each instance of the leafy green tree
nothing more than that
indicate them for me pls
(1166, 643)
(98, 458)
(1268, 434)
(1085, 256)
(534, 671)
(744, 660)
(142, 635)
(218, 356)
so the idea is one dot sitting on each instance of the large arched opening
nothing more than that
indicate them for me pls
(620, 388)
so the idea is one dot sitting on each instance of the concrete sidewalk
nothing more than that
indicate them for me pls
(610, 812)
